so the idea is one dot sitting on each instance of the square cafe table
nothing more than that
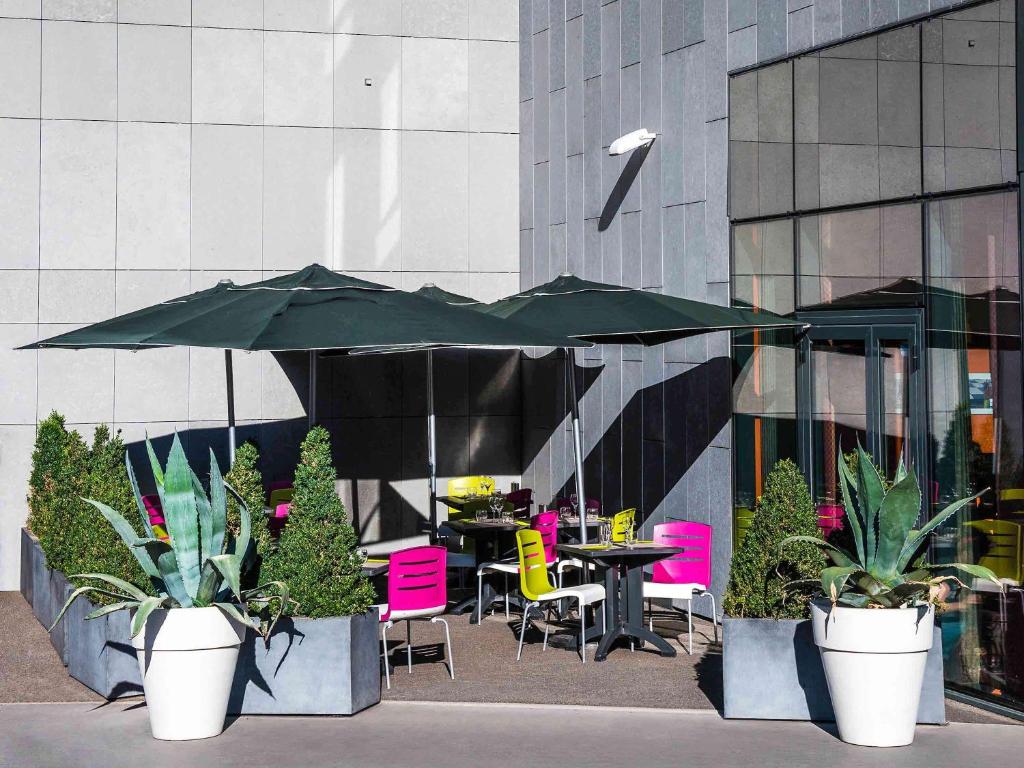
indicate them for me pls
(488, 535)
(624, 590)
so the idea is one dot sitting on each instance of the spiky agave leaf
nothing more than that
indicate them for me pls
(918, 538)
(128, 536)
(900, 508)
(182, 516)
(202, 517)
(143, 512)
(853, 515)
(218, 508)
(870, 491)
(146, 607)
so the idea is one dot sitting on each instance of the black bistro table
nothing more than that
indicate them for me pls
(624, 590)
(492, 539)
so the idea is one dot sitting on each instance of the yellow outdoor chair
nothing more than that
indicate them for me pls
(1005, 544)
(280, 496)
(622, 520)
(535, 584)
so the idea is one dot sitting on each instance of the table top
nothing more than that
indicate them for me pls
(458, 502)
(574, 522)
(642, 550)
(471, 527)
(375, 567)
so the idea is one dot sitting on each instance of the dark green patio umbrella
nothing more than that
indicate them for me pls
(616, 314)
(312, 309)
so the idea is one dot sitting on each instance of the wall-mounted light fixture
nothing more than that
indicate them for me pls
(631, 141)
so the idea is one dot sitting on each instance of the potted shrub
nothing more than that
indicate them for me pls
(874, 625)
(187, 634)
(324, 656)
(769, 663)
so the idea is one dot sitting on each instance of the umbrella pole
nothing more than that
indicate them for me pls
(431, 447)
(229, 372)
(311, 410)
(577, 441)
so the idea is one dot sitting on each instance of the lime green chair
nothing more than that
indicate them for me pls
(481, 485)
(535, 584)
(743, 518)
(1003, 553)
(280, 496)
(623, 520)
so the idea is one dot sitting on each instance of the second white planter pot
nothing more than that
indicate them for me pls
(187, 657)
(874, 662)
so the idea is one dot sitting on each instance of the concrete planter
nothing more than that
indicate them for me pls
(772, 670)
(99, 651)
(311, 667)
(44, 589)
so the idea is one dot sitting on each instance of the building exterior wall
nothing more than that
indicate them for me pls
(656, 421)
(149, 148)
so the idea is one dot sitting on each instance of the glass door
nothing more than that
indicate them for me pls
(859, 382)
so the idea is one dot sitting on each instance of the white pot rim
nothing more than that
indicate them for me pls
(188, 629)
(871, 630)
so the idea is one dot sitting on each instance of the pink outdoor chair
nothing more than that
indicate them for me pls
(683, 576)
(830, 518)
(156, 516)
(417, 589)
(591, 504)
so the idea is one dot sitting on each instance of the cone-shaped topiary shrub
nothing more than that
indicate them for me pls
(317, 553)
(58, 479)
(93, 546)
(247, 481)
(759, 574)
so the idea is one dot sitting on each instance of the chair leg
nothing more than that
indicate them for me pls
(447, 644)
(583, 632)
(387, 670)
(714, 614)
(689, 624)
(408, 643)
(480, 596)
(522, 632)
(650, 615)
(506, 597)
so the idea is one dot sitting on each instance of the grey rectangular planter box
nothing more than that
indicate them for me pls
(44, 589)
(771, 670)
(100, 653)
(312, 667)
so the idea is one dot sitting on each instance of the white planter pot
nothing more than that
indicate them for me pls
(874, 662)
(187, 658)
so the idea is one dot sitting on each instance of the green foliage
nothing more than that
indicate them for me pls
(317, 553)
(199, 567)
(93, 545)
(60, 469)
(759, 573)
(245, 479)
(885, 569)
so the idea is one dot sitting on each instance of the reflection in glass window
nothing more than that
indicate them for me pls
(761, 142)
(864, 257)
(975, 393)
(763, 265)
(968, 93)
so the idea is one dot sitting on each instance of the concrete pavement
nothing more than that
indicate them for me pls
(475, 736)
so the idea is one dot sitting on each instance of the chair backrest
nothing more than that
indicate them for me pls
(153, 508)
(463, 486)
(620, 522)
(417, 579)
(693, 565)
(1003, 547)
(546, 523)
(830, 518)
(521, 500)
(276, 485)
(534, 581)
(279, 496)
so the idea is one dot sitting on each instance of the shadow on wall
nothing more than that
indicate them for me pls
(375, 408)
(649, 446)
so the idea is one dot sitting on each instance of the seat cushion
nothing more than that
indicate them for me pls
(585, 593)
(419, 613)
(499, 566)
(672, 591)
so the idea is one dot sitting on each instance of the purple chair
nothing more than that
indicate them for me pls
(521, 501)
(591, 504)
(417, 589)
(683, 576)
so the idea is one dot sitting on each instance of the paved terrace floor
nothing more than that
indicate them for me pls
(476, 736)
(485, 666)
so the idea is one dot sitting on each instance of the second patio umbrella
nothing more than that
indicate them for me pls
(616, 314)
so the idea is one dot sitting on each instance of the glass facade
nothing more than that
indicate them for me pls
(873, 192)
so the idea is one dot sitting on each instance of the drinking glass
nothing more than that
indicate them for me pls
(575, 501)
(481, 514)
(592, 512)
(497, 503)
(606, 534)
(563, 513)
(629, 534)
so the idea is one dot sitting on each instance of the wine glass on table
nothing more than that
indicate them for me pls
(497, 502)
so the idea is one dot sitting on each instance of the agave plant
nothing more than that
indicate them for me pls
(201, 564)
(887, 570)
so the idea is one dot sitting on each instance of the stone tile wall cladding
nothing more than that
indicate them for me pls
(656, 421)
(149, 148)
